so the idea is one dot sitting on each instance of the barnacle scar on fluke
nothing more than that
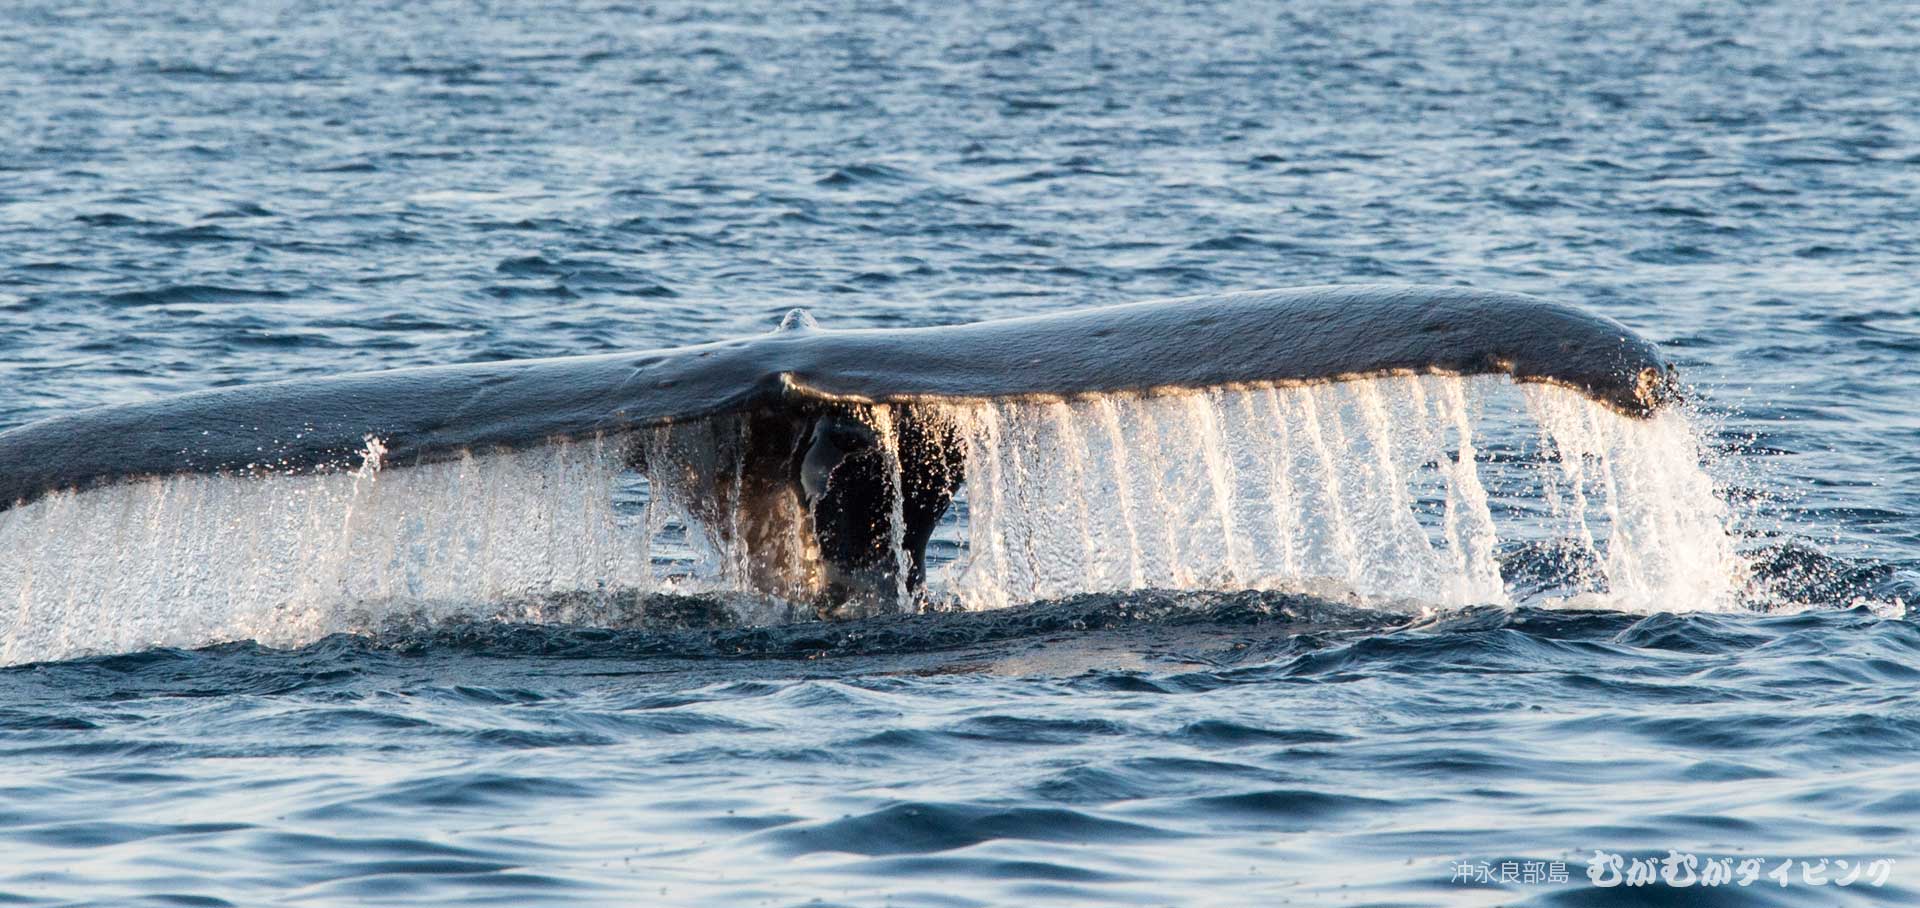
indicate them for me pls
(838, 433)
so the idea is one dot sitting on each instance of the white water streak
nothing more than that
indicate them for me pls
(286, 559)
(1373, 488)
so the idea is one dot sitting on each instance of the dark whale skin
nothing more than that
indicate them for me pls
(1312, 334)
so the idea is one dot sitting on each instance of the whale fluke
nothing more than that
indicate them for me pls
(794, 408)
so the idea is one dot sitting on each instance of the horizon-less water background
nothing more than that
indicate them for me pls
(192, 195)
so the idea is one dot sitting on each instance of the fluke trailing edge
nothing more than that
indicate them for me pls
(791, 412)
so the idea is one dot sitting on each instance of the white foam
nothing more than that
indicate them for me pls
(1398, 488)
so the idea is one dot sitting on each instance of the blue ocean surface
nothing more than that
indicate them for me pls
(196, 195)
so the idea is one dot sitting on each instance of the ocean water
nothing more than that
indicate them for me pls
(1368, 644)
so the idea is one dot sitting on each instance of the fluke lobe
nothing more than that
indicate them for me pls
(840, 495)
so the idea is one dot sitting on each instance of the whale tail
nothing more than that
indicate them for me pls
(830, 454)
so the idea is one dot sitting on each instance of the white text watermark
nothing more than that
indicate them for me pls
(1681, 869)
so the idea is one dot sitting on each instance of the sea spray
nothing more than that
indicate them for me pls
(1639, 484)
(1402, 488)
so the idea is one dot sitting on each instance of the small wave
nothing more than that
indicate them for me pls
(1288, 808)
(1676, 254)
(1222, 732)
(930, 828)
(554, 291)
(346, 167)
(193, 293)
(242, 210)
(856, 174)
(115, 219)
(1239, 242)
(189, 236)
(579, 273)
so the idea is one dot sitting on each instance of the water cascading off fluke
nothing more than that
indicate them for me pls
(1378, 488)
(1406, 489)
